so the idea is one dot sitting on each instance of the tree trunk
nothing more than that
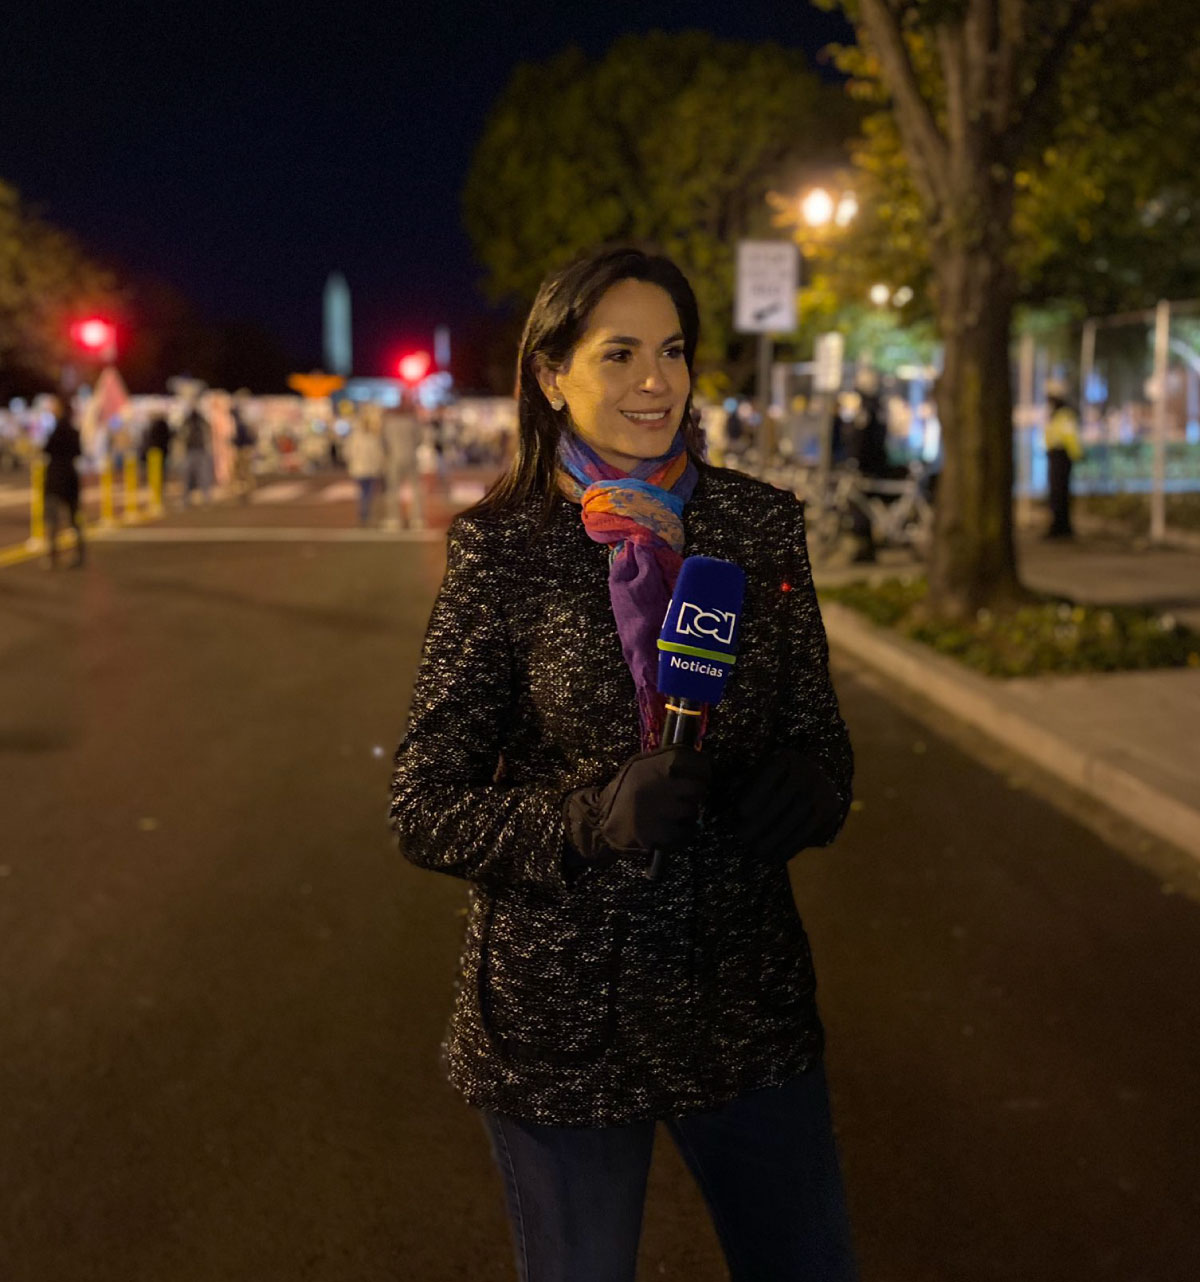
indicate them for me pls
(973, 560)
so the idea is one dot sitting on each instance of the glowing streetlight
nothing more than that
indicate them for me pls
(847, 210)
(817, 208)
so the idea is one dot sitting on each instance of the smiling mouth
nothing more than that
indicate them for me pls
(649, 418)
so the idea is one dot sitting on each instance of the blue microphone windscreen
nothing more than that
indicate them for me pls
(698, 645)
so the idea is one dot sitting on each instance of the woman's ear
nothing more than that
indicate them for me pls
(548, 381)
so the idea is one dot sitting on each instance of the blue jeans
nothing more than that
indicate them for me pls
(766, 1163)
(366, 497)
(197, 474)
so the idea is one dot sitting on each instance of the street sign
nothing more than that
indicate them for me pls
(768, 277)
(830, 351)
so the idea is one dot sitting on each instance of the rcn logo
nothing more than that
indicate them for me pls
(717, 625)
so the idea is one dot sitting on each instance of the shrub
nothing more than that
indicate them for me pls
(1047, 635)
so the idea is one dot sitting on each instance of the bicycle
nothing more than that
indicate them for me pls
(896, 511)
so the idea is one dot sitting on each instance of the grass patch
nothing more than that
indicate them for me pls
(1046, 636)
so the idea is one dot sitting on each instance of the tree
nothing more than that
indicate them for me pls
(46, 281)
(967, 171)
(669, 139)
(1103, 214)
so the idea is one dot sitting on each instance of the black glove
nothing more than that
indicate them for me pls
(653, 803)
(789, 804)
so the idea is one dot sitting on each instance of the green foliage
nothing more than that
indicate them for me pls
(670, 139)
(887, 603)
(1050, 635)
(1106, 193)
(1107, 210)
(45, 281)
(876, 336)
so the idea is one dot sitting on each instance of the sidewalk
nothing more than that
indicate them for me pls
(1130, 739)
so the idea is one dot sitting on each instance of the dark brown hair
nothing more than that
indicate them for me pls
(555, 324)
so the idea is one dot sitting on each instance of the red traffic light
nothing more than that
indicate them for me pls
(94, 334)
(414, 366)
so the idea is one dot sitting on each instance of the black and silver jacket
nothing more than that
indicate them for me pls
(607, 998)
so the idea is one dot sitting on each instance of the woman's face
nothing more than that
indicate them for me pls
(625, 382)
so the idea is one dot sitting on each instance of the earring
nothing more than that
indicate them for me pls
(556, 402)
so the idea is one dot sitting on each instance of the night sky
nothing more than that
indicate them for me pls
(241, 151)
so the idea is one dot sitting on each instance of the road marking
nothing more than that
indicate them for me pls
(281, 492)
(339, 492)
(19, 552)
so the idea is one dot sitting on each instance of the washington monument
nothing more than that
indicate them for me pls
(339, 358)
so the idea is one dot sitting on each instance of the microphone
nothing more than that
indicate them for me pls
(697, 650)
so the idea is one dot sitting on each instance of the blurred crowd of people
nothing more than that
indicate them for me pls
(210, 438)
(197, 439)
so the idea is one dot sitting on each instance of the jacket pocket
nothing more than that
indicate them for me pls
(547, 985)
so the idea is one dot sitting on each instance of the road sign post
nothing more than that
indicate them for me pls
(768, 279)
(829, 359)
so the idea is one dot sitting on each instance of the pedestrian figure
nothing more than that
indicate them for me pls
(435, 434)
(839, 449)
(244, 442)
(868, 449)
(61, 486)
(197, 443)
(594, 1003)
(364, 458)
(158, 437)
(1063, 448)
(402, 433)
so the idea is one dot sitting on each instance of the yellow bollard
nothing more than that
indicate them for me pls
(108, 514)
(131, 487)
(37, 501)
(154, 474)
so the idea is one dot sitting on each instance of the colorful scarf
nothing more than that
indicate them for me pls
(640, 514)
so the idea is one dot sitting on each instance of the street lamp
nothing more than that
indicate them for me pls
(819, 208)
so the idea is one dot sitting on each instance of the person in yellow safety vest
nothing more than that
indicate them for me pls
(1062, 449)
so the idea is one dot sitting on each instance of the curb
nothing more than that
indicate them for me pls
(972, 699)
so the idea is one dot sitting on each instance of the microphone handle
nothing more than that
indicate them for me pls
(682, 726)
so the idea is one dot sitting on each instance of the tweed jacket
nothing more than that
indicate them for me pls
(602, 998)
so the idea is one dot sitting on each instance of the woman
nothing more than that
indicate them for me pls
(594, 1002)
(61, 484)
(364, 458)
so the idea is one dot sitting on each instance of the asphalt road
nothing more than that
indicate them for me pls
(222, 991)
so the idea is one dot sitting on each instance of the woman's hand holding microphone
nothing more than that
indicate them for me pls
(653, 803)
